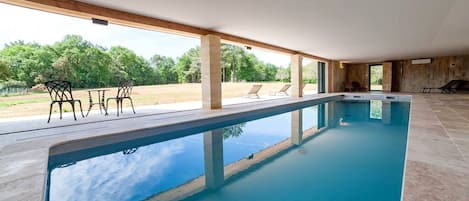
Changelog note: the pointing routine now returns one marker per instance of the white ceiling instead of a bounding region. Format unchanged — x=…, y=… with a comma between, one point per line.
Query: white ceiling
x=347, y=30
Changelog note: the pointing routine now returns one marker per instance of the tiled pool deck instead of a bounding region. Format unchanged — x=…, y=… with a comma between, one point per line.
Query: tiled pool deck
x=437, y=165
x=438, y=148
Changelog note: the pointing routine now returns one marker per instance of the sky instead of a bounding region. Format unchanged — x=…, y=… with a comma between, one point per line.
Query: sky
x=47, y=28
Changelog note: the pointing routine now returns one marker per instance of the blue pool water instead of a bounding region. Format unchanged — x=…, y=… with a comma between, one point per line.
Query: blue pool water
x=359, y=156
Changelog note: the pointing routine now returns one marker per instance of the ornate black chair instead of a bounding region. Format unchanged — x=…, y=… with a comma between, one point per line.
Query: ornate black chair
x=123, y=92
x=61, y=92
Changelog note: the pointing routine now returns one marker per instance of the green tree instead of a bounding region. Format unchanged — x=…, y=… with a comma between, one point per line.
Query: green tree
x=283, y=74
x=89, y=65
x=310, y=72
x=135, y=67
x=270, y=71
x=188, y=66
x=81, y=62
x=165, y=69
x=27, y=62
x=4, y=70
x=239, y=65
x=232, y=58
x=376, y=73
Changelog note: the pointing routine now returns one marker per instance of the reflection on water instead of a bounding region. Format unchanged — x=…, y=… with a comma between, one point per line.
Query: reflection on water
x=353, y=158
x=376, y=110
x=140, y=172
x=255, y=148
x=233, y=131
x=133, y=176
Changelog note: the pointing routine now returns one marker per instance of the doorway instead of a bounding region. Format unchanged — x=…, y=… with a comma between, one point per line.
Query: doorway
x=376, y=77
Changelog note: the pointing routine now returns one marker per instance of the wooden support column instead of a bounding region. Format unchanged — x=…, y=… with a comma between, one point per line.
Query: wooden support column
x=387, y=76
x=210, y=55
x=213, y=158
x=296, y=75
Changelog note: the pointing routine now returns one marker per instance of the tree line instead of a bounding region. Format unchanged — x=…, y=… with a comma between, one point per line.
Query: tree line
x=89, y=65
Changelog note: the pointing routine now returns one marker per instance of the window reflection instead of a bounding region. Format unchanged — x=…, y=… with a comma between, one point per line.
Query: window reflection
x=376, y=109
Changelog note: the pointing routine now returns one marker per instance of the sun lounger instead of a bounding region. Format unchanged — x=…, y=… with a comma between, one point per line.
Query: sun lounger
x=283, y=90
x=254, y=90
x=449, y=87
x=462, y=86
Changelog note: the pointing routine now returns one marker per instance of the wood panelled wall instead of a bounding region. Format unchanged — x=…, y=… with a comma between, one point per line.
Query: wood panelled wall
x=357, y=73
x=336, y=77
x=387, y=76
x=412, y=78
x=407, y=77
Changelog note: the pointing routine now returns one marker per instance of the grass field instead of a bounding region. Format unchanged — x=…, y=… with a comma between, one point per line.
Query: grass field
x=38, y=103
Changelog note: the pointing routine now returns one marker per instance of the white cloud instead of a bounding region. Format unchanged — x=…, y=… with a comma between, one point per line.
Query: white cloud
x=114, y=176
x=271, y=57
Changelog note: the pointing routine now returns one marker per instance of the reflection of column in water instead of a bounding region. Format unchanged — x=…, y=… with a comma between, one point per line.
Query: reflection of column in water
x=321, y=116
x=213, y=158
x=296, y=127
x=386, y=112
x=332, y=119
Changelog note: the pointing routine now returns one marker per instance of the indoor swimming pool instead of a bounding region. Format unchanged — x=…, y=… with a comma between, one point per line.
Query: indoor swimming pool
x=347, y=150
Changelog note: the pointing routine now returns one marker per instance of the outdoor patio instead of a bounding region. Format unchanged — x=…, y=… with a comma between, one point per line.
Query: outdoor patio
x=39, y=122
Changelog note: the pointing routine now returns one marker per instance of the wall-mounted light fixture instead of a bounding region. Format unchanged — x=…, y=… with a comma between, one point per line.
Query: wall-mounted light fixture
x=99, y=21
x=248, y=47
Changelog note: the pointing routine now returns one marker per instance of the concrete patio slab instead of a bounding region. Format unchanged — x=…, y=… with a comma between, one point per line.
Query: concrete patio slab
x=30, y=123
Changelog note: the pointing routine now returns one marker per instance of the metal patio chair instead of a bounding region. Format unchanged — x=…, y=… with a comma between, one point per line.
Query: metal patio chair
x=61, y=92
x=123, y=92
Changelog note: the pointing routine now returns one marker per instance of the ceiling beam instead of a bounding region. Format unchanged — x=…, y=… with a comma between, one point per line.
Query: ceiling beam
x=88, y=11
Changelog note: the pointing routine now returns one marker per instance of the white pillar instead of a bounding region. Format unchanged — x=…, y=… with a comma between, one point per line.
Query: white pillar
x=213, y=158
x=296, y=76
x=210, y=56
